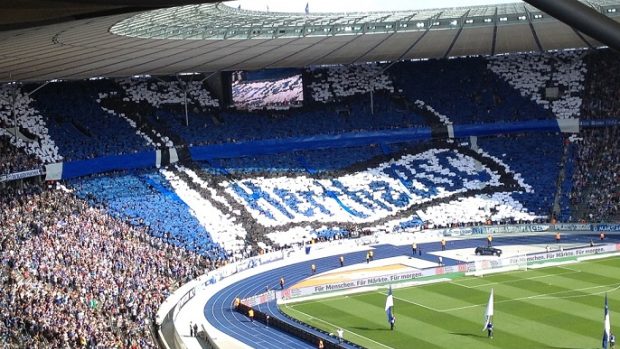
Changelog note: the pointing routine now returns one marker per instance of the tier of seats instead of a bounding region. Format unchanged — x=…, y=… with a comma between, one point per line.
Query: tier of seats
x=16, y=106
x=74, y=277
x=465, y=91
x=13, y=160
x=161, y=92
x=146, y=199
x=532, y=73
x=80, y=127
x=337, y=82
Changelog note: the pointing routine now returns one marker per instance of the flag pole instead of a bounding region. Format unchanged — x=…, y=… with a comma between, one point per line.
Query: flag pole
x=488, y=314
x=606, y=325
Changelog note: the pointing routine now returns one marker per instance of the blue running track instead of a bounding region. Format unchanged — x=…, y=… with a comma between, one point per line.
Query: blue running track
x=219, y=313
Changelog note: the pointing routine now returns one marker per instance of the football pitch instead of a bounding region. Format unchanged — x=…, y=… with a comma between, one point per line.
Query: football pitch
x=554, y=307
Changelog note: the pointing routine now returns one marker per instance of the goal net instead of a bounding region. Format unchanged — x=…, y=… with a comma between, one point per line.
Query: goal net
x=493, y=265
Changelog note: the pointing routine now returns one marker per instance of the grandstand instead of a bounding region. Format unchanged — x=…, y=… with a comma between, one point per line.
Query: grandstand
x=158, y=163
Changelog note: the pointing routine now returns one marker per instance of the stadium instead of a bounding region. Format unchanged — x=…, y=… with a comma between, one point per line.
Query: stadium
x=245, y=174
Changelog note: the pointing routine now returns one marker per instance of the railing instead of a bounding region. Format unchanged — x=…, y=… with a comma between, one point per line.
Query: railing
x=171, y=307
x=169, y=310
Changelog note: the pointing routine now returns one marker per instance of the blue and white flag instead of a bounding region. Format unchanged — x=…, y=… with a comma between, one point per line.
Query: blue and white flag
x=307, y=8
x=607, y=326
x=488, y=314
x=389, y=304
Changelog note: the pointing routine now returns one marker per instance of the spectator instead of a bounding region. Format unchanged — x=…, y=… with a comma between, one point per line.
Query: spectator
x=78, y=277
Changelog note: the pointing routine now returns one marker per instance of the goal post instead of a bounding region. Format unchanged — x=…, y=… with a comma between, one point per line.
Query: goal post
x=493, y=265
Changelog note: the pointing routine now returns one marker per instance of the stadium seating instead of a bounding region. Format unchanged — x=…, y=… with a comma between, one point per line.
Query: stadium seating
x=147, y=199
x=38, y=141
x=14, y=160
x=78, y=125
x=602, y=89
x=531, y=73
x=409, y=94
x=336, y=82
x=498, y=208
x=160, y=92
x=73, y=277
x=464, y=90
x=200, y=199
x=309, y=162
x=535, y=158
x=384, y=184
x=595, y=195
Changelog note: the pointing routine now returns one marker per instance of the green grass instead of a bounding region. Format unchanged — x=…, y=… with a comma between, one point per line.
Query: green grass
x=556, y=307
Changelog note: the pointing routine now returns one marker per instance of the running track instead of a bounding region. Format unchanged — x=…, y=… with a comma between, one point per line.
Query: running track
x=219, y=313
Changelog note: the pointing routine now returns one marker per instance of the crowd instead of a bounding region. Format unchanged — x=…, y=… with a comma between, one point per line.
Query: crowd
x=531, y=73
x=158, y=92
x=596, y=181
x=75, y=277
x=332, y=83
x=13, y=160
x=595, y=194
x=17, y=111
x=146, y=198
x=602, y=90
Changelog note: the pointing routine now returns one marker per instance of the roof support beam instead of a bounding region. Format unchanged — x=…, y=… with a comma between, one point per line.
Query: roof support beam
x=456, y=37
x=494, y=39
x=582, y=38
x=428, y=28
x=583, y=18
x=536, y=40
x=357, y=59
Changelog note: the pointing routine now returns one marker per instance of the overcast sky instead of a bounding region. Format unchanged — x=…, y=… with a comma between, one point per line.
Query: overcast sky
x=355, y=5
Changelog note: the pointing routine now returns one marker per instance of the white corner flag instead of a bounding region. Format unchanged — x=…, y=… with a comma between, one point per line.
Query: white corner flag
x=488, y=314
x=607, y=326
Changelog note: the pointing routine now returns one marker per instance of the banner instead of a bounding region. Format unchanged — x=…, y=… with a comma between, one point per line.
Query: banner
x=498, y=229
x=374, y=281
x=486, y=264
x=53, y=172
x=494, y=229
x=259, y=299
x=572, y=227
x=20, y=175
x=606, y=227
x=572, y=253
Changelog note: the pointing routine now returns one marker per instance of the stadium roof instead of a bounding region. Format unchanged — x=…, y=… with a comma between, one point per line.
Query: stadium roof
x=212, y=37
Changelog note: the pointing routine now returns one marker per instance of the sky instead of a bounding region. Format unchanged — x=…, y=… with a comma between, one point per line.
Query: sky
x=355, y=5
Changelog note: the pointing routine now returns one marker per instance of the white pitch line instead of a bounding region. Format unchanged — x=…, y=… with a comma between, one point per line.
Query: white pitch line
x=580, y=295
x=517, y=280
x=542, y=296
x=567, y=268
x=330, y=324
x=415, y=303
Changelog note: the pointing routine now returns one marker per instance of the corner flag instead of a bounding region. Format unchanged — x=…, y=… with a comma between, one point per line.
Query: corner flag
x=488, y=314
x=607, y=326
x=307, y=10
x=389, y=304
